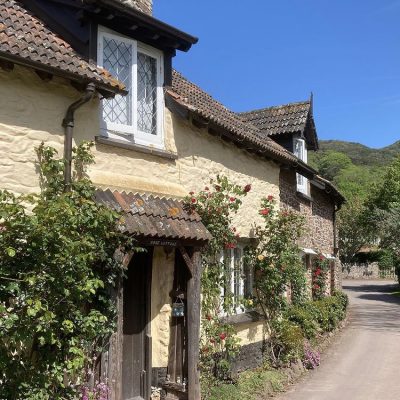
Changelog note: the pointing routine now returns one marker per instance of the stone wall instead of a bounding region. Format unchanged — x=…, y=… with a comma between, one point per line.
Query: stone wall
x=366, y=271
x=145, y=6
x=318, y=210
x=250, y=356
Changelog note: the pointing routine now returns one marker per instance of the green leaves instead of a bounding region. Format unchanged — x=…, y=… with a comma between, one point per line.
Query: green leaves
x=10, y=251
x=56, y=313
x=216, y=204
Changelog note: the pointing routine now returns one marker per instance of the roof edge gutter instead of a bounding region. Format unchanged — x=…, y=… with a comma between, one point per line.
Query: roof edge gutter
x=68, y=124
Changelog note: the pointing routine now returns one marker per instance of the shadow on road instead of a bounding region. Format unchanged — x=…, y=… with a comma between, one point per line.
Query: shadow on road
x=384, y=288
x=373, y=308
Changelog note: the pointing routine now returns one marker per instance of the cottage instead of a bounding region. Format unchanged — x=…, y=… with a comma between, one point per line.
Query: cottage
x=77, y=70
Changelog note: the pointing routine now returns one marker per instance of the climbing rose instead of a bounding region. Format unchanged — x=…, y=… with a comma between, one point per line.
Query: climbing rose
x=193, y=200
x=247, y=188
x=222, y=336
x=270, y=198
x=232, y=199
x=265, y=211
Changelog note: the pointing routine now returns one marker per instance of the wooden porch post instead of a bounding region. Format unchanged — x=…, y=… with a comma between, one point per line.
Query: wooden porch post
x=193, y=320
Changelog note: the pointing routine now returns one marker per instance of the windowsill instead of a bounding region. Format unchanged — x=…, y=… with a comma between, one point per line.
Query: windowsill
x=136, y=147
x=304, y=196
x=243, y=318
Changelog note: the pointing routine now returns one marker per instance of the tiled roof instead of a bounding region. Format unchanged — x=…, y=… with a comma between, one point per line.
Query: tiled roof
x=196, y=100
x=288, y=118
x=25, y=39
x=154, y=217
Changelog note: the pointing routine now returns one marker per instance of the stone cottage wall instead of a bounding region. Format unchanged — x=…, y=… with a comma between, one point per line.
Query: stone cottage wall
x=318, y=209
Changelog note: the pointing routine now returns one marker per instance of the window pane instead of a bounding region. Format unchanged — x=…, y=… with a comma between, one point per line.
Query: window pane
x=248, y=280
x=237, y=276
x=228, y=272
x=147, y=94
x=117, y=58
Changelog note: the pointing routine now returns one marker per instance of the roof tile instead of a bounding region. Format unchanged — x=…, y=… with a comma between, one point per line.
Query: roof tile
x=288, y=118
x=154, y=217
x=196, y=100
x=25, y=37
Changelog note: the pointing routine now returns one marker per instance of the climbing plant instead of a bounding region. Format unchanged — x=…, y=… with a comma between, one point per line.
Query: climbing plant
x=57, y=266
x=216, y=204
x=276, y=261
x=319, y=277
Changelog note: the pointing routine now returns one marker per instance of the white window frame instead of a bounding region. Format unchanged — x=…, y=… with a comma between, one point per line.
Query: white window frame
x=237, y=308
x=301, y=181
x=131, y=133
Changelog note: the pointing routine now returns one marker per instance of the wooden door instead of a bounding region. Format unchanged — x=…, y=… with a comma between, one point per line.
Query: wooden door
x=136, y=354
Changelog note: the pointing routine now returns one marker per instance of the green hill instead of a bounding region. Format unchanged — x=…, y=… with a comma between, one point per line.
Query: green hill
x=360, y=154
x=352, y=167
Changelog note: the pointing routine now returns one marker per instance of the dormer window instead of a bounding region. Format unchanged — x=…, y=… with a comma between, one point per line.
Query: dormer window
x=138, y=116
x=300, y=151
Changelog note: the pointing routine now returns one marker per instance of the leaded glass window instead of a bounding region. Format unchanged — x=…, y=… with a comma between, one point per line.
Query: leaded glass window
x=147, y=93
x=138, y=115
x=117, y=59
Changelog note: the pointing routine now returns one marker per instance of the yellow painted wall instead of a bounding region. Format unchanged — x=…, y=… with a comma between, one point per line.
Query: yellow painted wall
x=252, y=332
x=162, y=284
x=32, y=111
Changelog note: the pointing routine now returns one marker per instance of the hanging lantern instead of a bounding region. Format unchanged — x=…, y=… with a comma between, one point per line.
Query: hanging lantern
x=178, y=308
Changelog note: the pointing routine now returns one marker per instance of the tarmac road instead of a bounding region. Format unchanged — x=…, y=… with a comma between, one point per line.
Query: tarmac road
x=363, y=363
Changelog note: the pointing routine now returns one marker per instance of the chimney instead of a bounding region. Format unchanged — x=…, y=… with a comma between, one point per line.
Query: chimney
x=145, y=6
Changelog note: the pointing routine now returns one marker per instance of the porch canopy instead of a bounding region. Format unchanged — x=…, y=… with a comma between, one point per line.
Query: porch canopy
x=158, y=221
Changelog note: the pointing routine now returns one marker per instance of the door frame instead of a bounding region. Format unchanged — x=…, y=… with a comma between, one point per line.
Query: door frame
x=147, y=329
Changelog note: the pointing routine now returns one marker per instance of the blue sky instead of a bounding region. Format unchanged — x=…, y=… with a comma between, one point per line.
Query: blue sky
x=256, y=53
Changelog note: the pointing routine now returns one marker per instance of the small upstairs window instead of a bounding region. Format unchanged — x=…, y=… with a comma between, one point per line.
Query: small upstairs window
x=138, y=116
x=300, y=151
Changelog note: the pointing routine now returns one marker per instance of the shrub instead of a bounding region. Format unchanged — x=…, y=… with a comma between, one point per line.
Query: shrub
x=330, y=311
x=57, y=266
x=305, y=317
x=288, y=342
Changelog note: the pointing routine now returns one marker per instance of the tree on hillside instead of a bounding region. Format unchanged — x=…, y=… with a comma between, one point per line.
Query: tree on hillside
x=332, y=163
x=352, y=231
x=355, y=181
x=382, y=212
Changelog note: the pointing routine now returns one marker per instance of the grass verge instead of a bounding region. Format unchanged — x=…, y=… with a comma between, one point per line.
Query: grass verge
x=252, y=385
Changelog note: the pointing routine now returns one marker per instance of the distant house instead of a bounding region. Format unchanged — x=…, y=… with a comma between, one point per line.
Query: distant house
x=75, y=70
x=293, y=127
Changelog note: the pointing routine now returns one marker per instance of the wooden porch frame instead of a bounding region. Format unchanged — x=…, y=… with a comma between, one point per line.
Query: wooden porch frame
x=194, y=266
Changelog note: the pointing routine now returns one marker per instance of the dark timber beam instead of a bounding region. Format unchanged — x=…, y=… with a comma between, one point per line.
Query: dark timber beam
x=44, y=76
x=6, y=65
x=193, y=321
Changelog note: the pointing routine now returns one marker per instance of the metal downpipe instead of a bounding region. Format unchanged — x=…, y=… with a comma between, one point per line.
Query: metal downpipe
x=68, y=124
